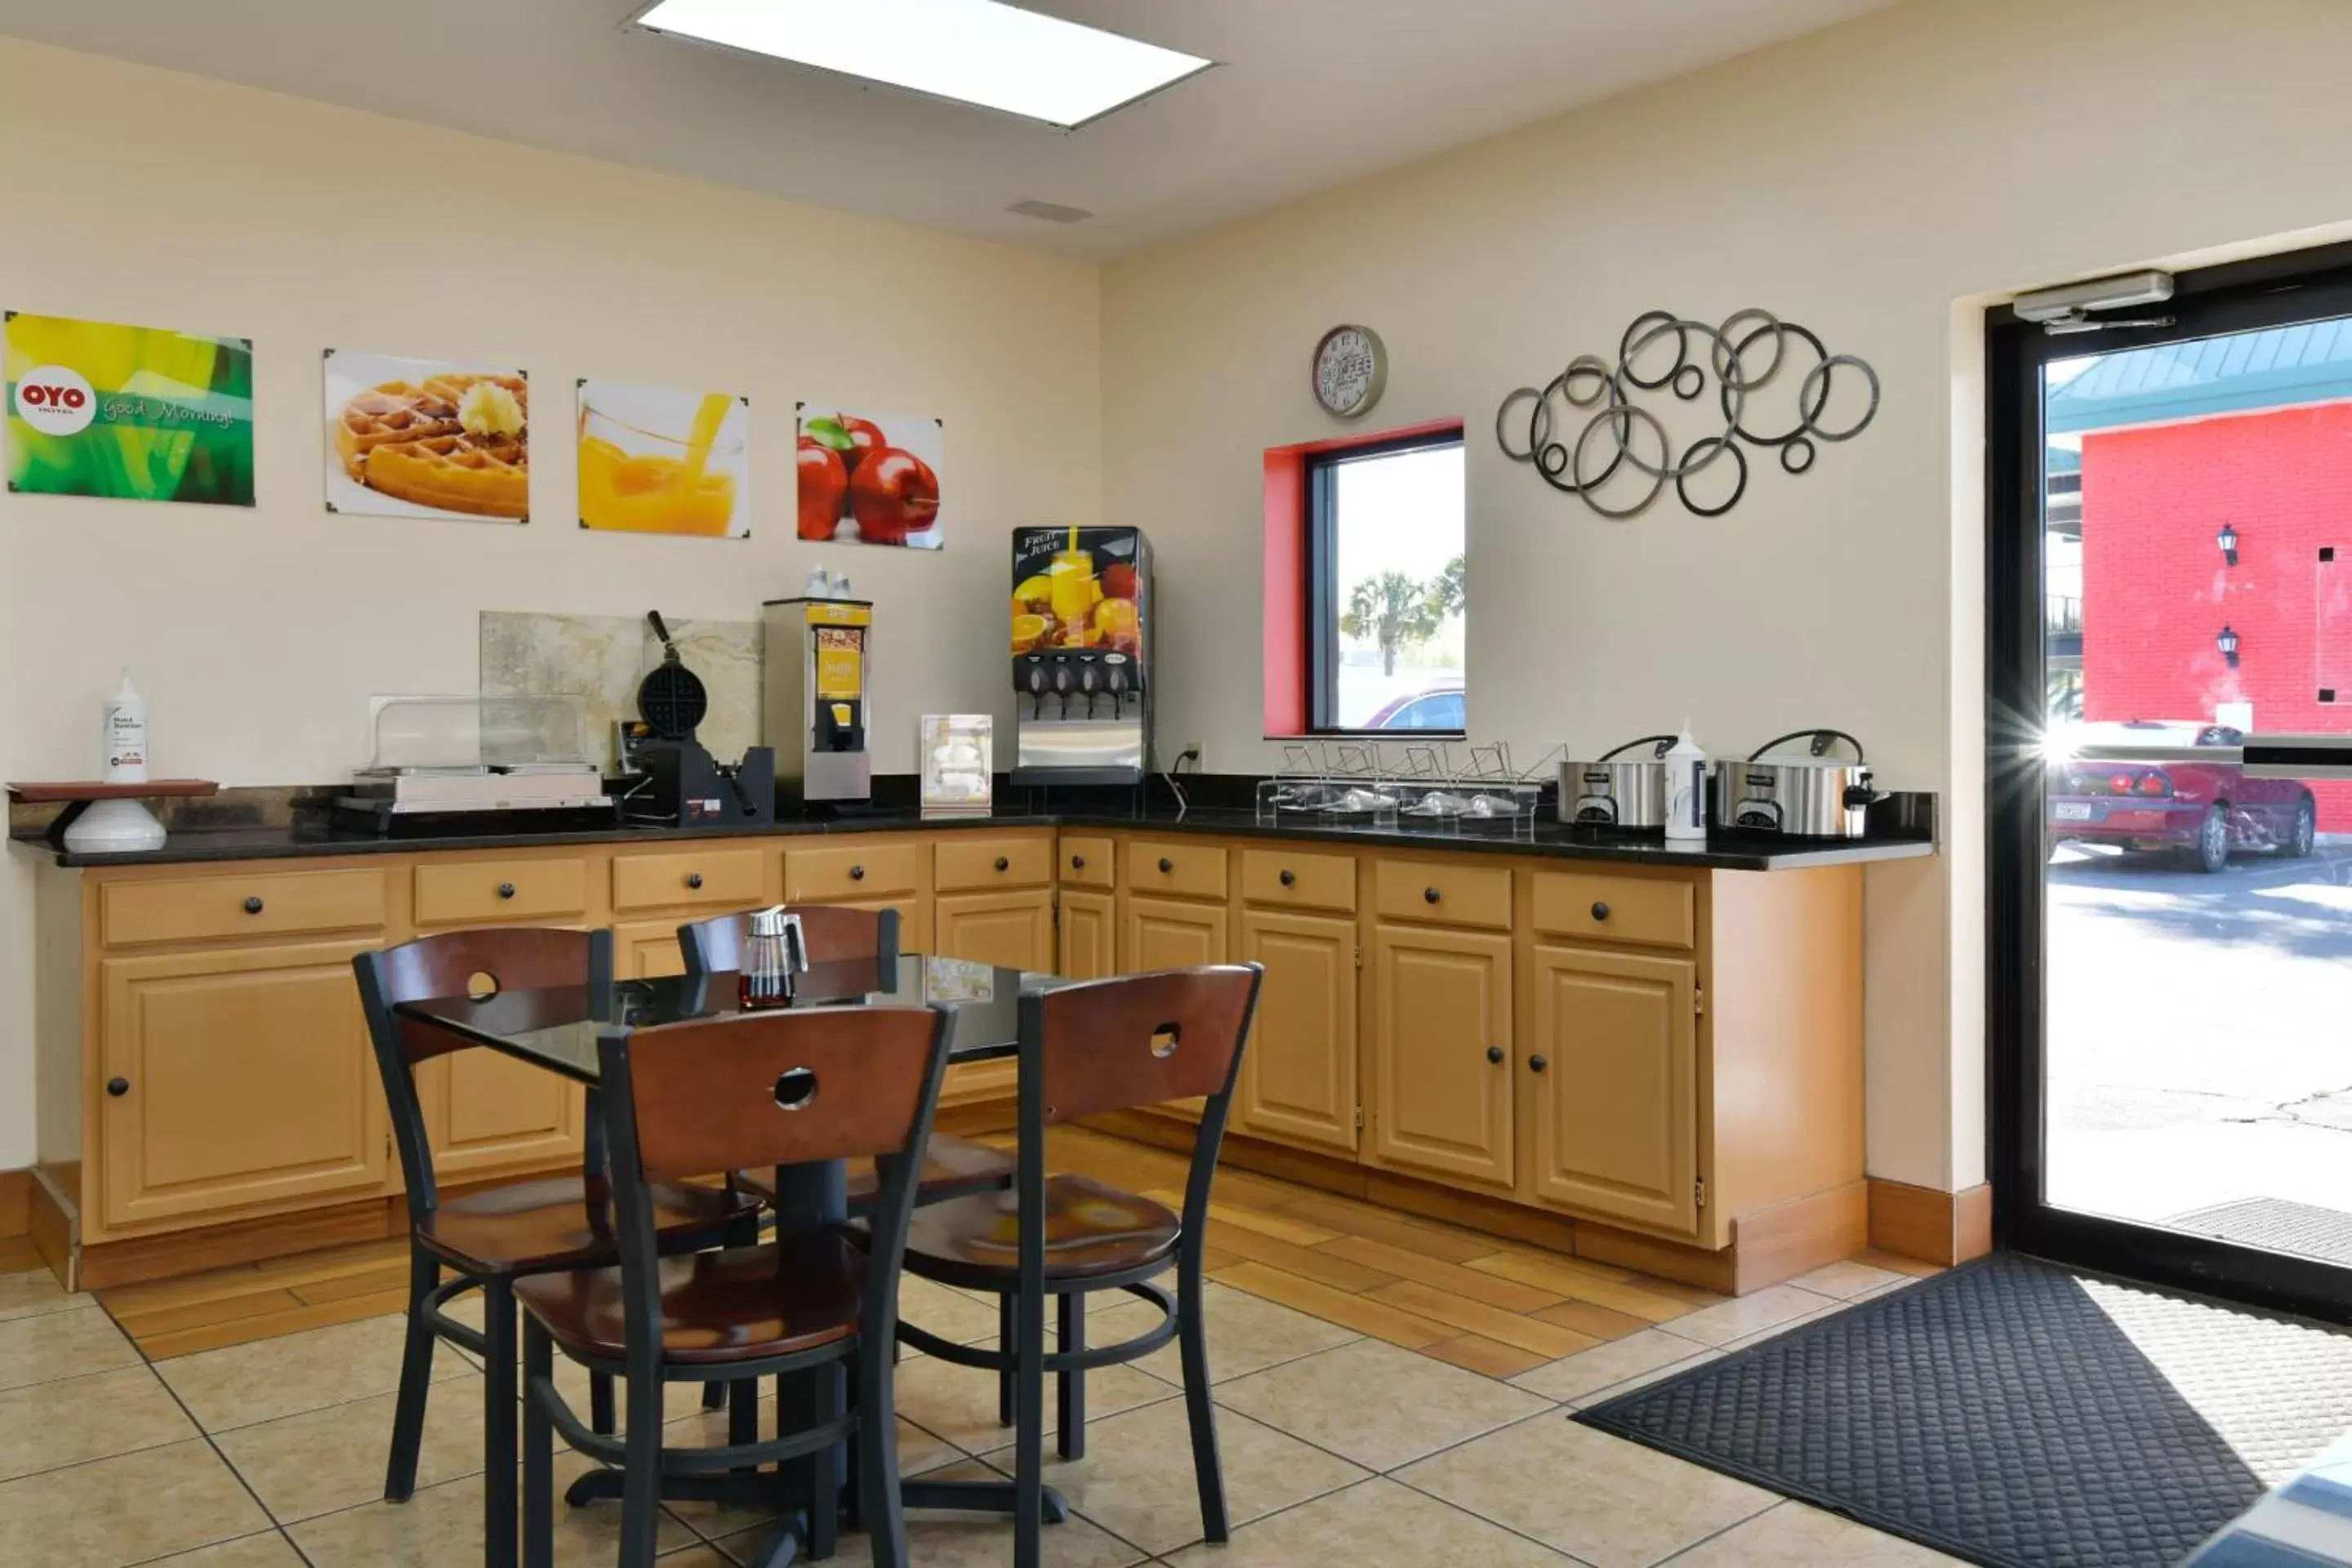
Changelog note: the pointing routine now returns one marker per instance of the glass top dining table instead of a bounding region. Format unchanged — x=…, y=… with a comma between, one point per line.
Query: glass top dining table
x=557, y=1027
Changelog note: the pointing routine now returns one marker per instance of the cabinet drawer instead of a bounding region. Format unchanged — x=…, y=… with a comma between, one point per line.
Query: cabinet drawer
x=1087, y=862
x=194, y=909
x=1436, y=894
x=1194, y=871
x=1283, y=879
x=461, y=891
x=857, y=871
x=967, y=865
x=721, y=879
x=1655, y=913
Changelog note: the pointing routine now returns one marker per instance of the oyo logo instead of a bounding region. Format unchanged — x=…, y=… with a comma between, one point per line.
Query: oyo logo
x=55, y=401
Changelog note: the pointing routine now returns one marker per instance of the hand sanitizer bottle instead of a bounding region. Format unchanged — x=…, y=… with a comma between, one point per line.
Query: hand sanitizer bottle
x=126, y=735
x=1686, y=789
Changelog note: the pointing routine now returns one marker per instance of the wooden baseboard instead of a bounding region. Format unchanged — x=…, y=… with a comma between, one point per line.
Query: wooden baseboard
x=1768, y=1246
x=15, y=1203
x=979, y=1116
x=52, y=1224
x=1929, y=1225
x=1800, y=1236
x=136, y=1260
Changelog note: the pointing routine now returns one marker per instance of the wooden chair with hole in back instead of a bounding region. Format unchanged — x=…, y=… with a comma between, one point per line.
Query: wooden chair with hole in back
x=951, y=1166
x=489, y=1236
x=1106, y=1046
x=756, y=1089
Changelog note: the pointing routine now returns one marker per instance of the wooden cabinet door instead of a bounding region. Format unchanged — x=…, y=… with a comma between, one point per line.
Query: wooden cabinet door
x=1299, y=1071
x=1441, y=1003
x=1088, y=936
x=647, y=950
x=487, y=1114
x=1171, y=934
x=247, y=1079
x=1614, y=1125
x=1015, y=928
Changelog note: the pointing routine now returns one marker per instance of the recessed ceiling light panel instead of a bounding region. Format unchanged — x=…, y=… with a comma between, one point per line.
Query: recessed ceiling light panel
x=975, y=52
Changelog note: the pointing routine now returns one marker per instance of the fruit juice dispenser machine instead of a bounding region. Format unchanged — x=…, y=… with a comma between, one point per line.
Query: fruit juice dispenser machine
x=1081, y=655
x=817, y=672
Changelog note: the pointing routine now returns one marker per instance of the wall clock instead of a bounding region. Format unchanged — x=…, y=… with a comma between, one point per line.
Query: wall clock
x=1351, y=370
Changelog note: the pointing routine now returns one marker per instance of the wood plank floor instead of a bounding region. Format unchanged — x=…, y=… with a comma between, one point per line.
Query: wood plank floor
x=1493, y=1306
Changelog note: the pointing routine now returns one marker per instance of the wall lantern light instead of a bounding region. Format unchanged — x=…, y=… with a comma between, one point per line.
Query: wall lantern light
x=2228, y=540
x=2228, y=643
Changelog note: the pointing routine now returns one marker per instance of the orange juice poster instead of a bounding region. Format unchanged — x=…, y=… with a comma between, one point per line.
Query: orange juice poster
x=416, y=438
x=870, y=479
x=653, y=460
x=1076, y=587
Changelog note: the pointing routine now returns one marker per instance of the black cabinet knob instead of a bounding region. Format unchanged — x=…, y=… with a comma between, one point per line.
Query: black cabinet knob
x=1429, y=895
x=1166, y=864
x=253, y=906
x=506, y=889
x=1493, y=1053
x=857, y=873
x=1002, y=863
x=1537, y=1064
x=1078, y=862
x=1600, y=910
x=694, y=879
x=118, y=1086
x=1289, y=879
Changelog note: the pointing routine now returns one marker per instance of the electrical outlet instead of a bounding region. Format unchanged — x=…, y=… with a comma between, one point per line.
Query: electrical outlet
x=1193, y=752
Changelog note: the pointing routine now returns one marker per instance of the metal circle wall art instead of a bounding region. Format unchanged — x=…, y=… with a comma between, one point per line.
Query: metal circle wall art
x=1752, y=357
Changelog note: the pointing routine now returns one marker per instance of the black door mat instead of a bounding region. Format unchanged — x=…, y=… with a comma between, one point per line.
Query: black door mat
x=2278, y=1225
x=2013, y=1412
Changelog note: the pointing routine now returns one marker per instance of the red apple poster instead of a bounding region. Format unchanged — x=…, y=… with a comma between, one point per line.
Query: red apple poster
x=870, y=479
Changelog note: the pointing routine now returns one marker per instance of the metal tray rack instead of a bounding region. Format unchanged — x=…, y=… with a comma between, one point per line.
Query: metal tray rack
x=1394, y=783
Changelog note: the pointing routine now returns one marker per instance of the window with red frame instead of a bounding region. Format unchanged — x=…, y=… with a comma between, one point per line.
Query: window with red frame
x=1366, y=613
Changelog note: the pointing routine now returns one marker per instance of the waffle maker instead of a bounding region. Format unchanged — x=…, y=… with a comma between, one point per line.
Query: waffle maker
x=683, y=785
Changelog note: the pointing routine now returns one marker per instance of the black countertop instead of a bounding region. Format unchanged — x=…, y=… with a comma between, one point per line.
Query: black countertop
x=1722, y=851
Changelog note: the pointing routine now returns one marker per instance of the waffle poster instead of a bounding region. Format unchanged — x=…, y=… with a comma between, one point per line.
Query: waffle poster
x=653, y=460
x=870, y=479
x=96, y=408
x=413, y=437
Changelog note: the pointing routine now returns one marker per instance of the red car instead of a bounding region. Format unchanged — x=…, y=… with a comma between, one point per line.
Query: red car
x=2203, y=810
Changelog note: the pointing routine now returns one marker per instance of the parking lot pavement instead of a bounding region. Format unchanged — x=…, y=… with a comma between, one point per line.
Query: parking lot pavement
x=2200, y=1032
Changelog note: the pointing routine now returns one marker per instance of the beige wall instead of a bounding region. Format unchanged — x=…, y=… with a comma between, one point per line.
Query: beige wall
x=139, y=196
x=1872, y=182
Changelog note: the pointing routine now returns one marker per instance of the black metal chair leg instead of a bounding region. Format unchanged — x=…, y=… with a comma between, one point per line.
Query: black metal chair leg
x=743, y=1413
x=853, y=1458
x=538, y=1452
x=415, y=1378
x=499, y=1425
x=876, y=1453
x=641, y=1473
x=600, y=1403
x=1004, y=1379
x=825, y=1484
x=1192, y=1342
x=1070, y=1387
x=1029, y=1441
x=714, y=1397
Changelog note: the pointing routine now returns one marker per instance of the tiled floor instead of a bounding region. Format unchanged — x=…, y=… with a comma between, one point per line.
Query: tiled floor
x=1390, y=1390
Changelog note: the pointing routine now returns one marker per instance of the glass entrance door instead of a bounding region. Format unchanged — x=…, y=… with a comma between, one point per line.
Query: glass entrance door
x=2174, y=1093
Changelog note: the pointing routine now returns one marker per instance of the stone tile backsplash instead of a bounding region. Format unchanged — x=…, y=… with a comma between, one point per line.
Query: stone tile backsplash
x=601, y=659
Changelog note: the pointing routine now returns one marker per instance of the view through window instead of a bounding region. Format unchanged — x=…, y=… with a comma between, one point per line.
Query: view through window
x=2199, y=916
x=1390, y=617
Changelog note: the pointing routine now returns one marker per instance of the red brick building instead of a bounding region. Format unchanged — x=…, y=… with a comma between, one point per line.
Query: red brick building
x=2177, y=444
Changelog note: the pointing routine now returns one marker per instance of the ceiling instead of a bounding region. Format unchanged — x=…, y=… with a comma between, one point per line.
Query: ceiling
x=1309, y=94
